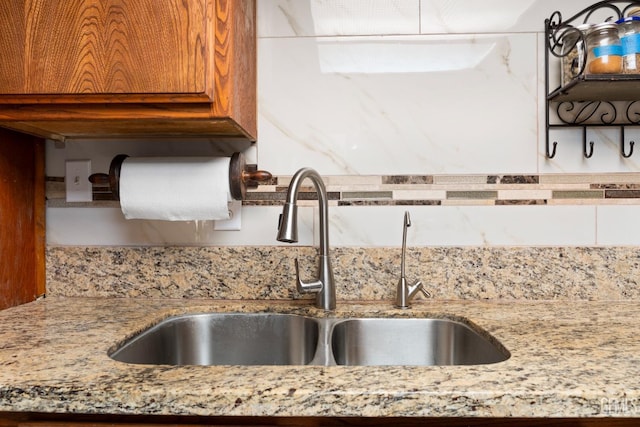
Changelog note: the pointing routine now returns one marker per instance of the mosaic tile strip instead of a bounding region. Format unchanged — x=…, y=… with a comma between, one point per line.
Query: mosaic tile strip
x=513, y=179
x=622, y=194
x=389, y=202
x=407, y=179
x=471, y=195
x=615, y=186
x=521, y=202
x=280, y=196
x=420, y=190
x=367, y=195
x=578, y=194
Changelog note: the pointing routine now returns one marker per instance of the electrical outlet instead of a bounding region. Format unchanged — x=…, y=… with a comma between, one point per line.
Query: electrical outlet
x=76, y=180
x=234, y=223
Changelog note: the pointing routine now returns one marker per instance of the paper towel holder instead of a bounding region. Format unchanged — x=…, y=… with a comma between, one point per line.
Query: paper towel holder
x=241, y=176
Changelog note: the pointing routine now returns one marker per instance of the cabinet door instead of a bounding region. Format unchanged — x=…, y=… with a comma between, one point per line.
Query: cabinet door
x=98, y=47
x=22, y=211
x=128, y=68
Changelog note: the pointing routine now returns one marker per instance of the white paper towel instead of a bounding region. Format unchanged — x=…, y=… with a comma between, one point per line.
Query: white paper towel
x=175, y=188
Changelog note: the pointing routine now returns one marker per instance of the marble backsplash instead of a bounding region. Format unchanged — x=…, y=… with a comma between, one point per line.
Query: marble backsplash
x=363, y=274
x=366, y=211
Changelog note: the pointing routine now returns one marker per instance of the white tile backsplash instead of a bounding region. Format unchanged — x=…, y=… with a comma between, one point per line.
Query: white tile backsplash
x=492, y=16
x=107, y=227
x=618, y=225
x=359, y=226
x=465, y=226
x=295, y=18
x=399, y=104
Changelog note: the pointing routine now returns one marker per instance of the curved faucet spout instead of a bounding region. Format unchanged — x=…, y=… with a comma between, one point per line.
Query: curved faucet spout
x=288, y=232
x=405, y=291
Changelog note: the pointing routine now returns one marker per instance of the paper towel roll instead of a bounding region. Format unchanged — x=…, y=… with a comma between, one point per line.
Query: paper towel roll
x=175, y=188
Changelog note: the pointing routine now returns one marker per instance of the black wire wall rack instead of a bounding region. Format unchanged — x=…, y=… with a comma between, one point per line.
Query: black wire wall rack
x=589, y=101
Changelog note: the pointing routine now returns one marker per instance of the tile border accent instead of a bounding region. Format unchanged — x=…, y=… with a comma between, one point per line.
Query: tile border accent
x=434, y=190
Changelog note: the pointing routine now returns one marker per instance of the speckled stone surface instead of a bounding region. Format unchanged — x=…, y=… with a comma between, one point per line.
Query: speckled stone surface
x=569, y=360
x=366, y=274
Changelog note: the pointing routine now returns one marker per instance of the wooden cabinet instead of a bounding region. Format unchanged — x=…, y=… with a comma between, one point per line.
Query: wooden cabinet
x=134, y=68
x=22, y=218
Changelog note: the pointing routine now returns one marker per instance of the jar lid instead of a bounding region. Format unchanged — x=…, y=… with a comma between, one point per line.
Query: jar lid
x=585, y=27
x=633, y=11
x=629, y=19
x=601, y=27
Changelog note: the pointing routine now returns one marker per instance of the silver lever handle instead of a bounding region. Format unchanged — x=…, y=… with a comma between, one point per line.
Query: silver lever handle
x=315, y=286
x=425, y=292
x=417, y=286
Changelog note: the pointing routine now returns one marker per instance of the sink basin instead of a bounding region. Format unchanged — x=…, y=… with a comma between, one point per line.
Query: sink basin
x=284, y=339
x=422, y=342
x=224, y=339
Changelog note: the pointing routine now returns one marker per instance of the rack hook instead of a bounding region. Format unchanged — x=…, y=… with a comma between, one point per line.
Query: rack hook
x=588, y=154
x=623, y=153
x=551, y=154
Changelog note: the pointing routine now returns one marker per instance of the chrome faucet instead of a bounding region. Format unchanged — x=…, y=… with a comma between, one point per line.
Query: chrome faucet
x=405, y=292
x=324, y=286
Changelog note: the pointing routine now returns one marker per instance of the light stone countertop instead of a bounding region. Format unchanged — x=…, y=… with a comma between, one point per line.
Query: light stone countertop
x=568, y=359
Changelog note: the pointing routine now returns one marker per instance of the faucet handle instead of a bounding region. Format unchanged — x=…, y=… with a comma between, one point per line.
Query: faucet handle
x=425, y=292
x=417, y=286
x=315, y=286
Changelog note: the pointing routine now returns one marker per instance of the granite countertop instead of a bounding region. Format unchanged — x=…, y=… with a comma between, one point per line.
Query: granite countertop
x=568, y=359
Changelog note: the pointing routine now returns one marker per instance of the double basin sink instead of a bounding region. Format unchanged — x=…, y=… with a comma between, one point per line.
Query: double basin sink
x=287, y=339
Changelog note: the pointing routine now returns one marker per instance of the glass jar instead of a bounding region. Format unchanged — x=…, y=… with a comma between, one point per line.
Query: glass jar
x=629, y=29
x=604, y=50
x=573, y=52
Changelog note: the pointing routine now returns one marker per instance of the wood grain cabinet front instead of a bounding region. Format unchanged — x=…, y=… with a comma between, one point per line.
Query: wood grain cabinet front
x=22, y=219
x=130, y=68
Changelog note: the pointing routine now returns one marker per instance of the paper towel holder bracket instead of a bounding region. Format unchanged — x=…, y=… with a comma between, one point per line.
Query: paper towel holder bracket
x=241, y=176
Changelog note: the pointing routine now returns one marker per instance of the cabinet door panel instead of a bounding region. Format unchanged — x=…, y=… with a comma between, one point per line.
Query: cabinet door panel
x=85, y=47
x=22, y=212
x=12, y=42
x=90, y=68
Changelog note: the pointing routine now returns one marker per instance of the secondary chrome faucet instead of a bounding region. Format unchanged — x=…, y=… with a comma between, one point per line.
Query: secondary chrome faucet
x=324, y=286
x=405, y=292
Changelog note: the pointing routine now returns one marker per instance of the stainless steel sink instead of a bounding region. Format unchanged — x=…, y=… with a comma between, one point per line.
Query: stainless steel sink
x=224, y=339
x=422, y=342
x=283, y=339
